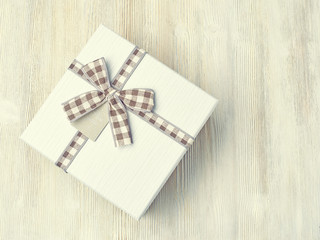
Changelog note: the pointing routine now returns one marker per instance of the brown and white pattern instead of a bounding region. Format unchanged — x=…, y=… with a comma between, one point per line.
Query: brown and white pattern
x=75, y=67
x=71, y=151
x=118, y=119
x=84, y=103
x=166, y=127
x=97, y=74
x=128, y=68
x=138, y=101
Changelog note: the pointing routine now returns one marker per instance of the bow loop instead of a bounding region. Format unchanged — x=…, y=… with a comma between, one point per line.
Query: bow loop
x=96, y=73
x=83, y=104
x=137, y=99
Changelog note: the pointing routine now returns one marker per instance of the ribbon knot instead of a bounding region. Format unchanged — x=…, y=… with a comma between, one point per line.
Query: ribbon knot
x=117, y=101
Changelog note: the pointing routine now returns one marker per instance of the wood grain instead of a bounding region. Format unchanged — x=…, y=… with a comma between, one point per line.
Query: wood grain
x=253, y=172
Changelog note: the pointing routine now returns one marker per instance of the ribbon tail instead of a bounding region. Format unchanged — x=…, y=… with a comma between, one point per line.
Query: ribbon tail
x=119, y=123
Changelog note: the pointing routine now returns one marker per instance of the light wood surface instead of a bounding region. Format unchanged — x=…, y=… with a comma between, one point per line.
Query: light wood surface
x=253, y=172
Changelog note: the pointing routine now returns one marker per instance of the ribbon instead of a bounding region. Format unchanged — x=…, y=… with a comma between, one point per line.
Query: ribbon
x=118, y=101
x=138, y=101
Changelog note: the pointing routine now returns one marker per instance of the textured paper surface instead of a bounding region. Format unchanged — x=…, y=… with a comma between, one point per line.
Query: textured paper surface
x=130, y=177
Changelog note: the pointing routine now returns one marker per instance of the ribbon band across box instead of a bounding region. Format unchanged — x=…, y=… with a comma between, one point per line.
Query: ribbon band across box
x=139, y=101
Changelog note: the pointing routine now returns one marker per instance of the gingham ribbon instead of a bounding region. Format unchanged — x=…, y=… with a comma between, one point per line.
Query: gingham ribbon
x=116, y=98
x=117, y=101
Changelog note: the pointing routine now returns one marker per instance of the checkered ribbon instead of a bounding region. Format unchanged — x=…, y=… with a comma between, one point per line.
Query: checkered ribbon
x=118, y=101
x=137, y=101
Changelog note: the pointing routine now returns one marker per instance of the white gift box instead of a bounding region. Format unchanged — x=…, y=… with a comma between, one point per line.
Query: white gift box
x=131, y=176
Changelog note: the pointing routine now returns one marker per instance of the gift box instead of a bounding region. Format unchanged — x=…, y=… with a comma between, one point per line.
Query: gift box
x=119, y=121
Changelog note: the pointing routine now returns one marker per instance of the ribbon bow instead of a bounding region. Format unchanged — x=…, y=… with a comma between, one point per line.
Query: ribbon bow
x=118, y=101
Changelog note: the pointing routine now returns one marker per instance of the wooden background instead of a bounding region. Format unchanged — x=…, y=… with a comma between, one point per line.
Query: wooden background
x=254, y=171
